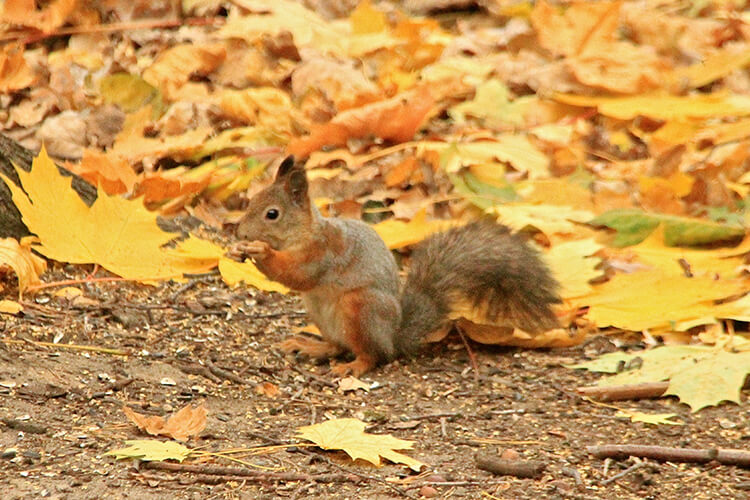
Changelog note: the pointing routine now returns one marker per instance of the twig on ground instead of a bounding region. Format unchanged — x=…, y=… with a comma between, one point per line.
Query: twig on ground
x=198, y=369
x=77, y=347
x=666, y=454
x=518, y=468
x=624, y=392
x=225, y=374
x=434, y=415
x=470, y=353
x=250, y=475
x=573, y=472
x=639, y=464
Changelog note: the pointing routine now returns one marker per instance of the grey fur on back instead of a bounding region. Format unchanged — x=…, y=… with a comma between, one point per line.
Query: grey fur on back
x=380, y=272
x=485, y=263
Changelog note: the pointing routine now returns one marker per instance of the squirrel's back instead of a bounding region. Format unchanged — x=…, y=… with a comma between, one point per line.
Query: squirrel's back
x=482, y=263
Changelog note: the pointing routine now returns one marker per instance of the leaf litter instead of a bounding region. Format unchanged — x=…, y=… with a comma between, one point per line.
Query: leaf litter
x=608, y=102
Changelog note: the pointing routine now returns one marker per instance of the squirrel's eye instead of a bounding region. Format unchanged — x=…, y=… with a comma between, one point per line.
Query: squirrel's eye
x=272, y=214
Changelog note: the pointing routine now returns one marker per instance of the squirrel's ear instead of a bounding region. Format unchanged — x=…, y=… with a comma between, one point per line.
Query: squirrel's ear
x=296, y=186
x=286, y=166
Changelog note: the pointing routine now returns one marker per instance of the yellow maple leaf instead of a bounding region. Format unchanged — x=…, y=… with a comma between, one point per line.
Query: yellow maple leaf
x=656, y=299
x=25, y=264
x=266, y=106
x=399, y=234
x=556, y=191
x=275, y=16
x=10, y=307
x=715, y=66
x=573, y=265
x=367, y=19
x=174, y=66
x=663, y=106
x=348, y=434
x=516, y=150
x=721, y=262
x=118, y=234
x=234, y=272
x=550, y=219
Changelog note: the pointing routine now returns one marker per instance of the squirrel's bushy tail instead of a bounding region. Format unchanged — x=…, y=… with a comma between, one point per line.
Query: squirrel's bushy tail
x=484, y=264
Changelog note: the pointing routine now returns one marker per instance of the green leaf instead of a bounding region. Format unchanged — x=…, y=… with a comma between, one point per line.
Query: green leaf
x=633, y=226
x=698, y=375
x=481, y=194
x=152, y=450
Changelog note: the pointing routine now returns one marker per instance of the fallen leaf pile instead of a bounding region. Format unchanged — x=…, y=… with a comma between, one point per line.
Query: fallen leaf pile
x=699, y=375
x=615, y=133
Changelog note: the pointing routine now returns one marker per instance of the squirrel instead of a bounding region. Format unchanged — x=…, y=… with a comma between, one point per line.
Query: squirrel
x=349, y=282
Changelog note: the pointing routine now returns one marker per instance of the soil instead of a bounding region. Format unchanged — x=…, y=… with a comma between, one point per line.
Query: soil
x=61, y=408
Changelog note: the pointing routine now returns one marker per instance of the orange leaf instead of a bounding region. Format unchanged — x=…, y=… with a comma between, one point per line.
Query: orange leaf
x=267, y=389
x=180, y=426
x=15, y=74
x=174, y=66
x=112, y=173
x=396, y=119
x=402, y=172
x=25, y=13
x=161, y=186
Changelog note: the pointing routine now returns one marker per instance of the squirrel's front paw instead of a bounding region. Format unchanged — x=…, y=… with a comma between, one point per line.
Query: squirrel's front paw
x=248, y=250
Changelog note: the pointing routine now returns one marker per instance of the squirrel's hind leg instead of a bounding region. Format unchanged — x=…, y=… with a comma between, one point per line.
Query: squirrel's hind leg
x=369, y=318
x=312, y=347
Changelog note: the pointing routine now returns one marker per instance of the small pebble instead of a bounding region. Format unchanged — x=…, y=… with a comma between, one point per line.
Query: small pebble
x=428, y=491
x=33, y=455
x=9, y=453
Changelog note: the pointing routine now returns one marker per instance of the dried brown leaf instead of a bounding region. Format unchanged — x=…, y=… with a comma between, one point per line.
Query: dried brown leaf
x=182, y=425
x=396, y=119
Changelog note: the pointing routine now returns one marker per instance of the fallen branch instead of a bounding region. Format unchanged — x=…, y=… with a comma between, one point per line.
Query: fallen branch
x=665, y=454
x=249, y=475
x=518, y=468
x=77, y=347
x=225, y=374
x=624, y=473
x=646, y=390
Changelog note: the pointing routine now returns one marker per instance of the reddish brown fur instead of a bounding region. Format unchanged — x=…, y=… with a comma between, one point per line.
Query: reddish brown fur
x=289, y=266
x=312, y=347
x=356, y=337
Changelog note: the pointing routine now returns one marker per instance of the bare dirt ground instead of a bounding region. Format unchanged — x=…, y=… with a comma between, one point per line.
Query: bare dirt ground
x=60, y=408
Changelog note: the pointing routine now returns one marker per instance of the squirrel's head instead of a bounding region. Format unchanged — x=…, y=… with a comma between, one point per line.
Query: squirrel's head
x=280, y=214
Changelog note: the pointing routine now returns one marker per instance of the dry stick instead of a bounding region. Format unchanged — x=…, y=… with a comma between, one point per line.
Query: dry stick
x=216, y=470
x=624, y=473
x=41, y=286
x=518, y=468
x=472, y=357
x=624, y=392
x=646, y=390
x=225, y=374
x=77, y=347
x=666, y=454
x=197, y=369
